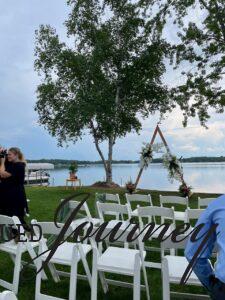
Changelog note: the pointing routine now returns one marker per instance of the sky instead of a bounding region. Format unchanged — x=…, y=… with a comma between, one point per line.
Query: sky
x=18, y=82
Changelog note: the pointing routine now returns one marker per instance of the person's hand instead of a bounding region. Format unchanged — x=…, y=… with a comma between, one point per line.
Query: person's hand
x=4, y=174
x=1, y=150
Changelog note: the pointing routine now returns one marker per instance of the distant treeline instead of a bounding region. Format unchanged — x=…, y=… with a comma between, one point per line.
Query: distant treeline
x=62, y=163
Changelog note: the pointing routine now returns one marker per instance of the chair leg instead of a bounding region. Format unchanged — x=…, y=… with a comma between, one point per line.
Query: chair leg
x=165, y=280
x=38, y=281
x=87, y=270
x=137, y=279
x=16, y=273
x=94, y=281
x=73, y=277
x=146, y=283
x=103, y=282
x=53, y=272
x=33, y=255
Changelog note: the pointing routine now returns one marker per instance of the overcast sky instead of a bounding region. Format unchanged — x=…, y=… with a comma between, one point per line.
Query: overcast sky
x=18, y=82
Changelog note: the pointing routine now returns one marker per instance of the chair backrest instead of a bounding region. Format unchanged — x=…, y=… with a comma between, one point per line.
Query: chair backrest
x=193, y=214
x=5, y=220
x=112, y=197
x=151, y=212
x=109, y=197
x=120, y=236
x=84, y=208
x=173, y=200
x=168, y=244
x=49, y=227
x=204, y=202
x=114, y=209
x=139, y=198
x=14, y=223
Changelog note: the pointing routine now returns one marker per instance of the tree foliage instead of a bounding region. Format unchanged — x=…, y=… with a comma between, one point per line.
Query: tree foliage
x=199, y=53
x=106, y=77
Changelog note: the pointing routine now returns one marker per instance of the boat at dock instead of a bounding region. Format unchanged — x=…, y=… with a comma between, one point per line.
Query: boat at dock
x=36, y=173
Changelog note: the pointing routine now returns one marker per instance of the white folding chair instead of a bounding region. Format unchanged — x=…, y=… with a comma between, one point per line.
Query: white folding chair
x=121, y=212
x=7, y=295
x=67, y=254
x=179, y=215
x=84, y=208
x=112, y=198
x=16, y=250
x=173, y=268
x=151, y=213
x=109, y=197
x=204, y=202
x=138, y=198
x=121, y=261
x=193, y=214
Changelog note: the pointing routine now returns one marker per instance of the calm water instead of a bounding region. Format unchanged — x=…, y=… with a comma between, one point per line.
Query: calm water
x=203, y=177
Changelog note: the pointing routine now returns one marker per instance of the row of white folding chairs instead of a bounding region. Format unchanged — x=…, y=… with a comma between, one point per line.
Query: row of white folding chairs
x=115, y=259
x=123, y=261
x=129, y=262
x=172, y=266
x=164, y=199
x=150, y=212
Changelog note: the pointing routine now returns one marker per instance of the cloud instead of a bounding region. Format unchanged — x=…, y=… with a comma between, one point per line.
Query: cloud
x=189, y=148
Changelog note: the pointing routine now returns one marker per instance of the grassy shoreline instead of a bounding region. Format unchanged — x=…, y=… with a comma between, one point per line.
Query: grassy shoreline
x=44, y=201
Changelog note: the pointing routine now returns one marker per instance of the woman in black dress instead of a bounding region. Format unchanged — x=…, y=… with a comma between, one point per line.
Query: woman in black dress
x=13, y=200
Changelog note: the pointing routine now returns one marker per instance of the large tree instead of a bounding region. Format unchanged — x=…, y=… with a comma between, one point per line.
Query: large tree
x=198, y=53
x=106, y=77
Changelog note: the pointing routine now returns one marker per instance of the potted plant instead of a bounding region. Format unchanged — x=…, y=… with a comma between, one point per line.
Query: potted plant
x=73, y=169
x=130, y=187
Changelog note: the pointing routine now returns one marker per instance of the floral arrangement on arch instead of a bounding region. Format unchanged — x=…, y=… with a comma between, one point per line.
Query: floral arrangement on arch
x=174, y=167
x=147, y=154
x=185, y=191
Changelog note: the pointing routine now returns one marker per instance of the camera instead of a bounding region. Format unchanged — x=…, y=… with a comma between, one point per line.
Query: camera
x=3, y=153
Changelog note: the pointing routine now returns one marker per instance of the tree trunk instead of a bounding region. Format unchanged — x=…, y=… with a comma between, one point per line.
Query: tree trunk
x=109, y=161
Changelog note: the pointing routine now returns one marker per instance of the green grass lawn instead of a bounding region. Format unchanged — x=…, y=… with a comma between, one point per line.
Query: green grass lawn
x=44, y=201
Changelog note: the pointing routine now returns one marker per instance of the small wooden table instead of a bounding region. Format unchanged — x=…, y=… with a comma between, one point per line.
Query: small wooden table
x=73, y=183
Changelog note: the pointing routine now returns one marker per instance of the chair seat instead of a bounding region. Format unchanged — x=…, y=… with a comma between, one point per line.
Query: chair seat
x=63, y=254
x=118, y=260
x=7, y=295
x=180, y=215
x=177, y=265
x=11, y=246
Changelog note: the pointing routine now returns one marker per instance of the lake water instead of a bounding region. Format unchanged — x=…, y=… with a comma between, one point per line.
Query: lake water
x=203, y=177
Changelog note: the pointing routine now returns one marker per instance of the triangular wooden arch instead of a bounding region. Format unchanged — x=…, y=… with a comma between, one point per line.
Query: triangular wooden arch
x=158, y=131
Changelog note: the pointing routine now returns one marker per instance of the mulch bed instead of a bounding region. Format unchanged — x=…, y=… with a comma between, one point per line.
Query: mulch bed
x=103, y=184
